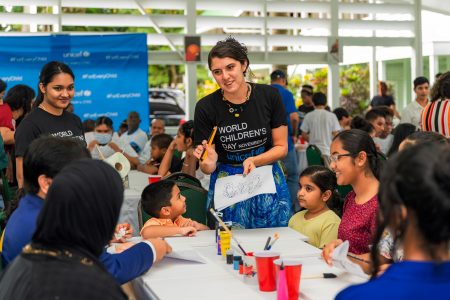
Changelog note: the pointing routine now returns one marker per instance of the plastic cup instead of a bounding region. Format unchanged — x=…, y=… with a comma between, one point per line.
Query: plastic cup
x=293, y=271
x=225, y=242
x=265, y=269
x=153, y=178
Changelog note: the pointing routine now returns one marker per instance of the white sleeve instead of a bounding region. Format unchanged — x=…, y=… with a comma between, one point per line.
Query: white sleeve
x=336, y=125
x=305, y=124
x=406, y=116
x=153, y=248
x=145, y=154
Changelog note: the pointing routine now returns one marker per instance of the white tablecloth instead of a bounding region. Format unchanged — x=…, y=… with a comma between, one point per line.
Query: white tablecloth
x=177, y=279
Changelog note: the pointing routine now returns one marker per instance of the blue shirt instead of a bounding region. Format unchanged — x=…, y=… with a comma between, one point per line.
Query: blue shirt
x=405, y=280
x=21, y=226
x=289, y=106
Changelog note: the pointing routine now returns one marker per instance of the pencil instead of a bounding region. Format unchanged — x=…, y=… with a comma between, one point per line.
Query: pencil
x=358, y=258
x=267, y=243
x=213, y=212
x=210, y=140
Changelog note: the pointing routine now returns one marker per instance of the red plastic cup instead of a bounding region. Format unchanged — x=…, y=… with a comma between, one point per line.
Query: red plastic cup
x=265, y=270
x=153, y=178
x=293, y=270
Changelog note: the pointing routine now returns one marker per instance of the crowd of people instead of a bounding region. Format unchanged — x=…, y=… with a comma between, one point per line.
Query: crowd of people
x=395, y=216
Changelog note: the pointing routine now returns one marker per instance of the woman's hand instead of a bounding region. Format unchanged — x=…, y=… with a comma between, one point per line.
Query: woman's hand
x=327, y=251
x=249, y=165
x=161, y=248
x=92, y=145
x=208, y=165
x=122, y=233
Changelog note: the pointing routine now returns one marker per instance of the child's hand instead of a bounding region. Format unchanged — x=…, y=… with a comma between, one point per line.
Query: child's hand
x=188, y=231
x=161, y=248
x=327, y=251
x=173, y=145
x=186, y=223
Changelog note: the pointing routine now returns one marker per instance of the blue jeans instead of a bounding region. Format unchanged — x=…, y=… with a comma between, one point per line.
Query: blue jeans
x=291, y=165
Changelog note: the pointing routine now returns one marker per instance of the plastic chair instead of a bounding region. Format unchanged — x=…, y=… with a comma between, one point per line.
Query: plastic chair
x=196, y=196
x=314, y=156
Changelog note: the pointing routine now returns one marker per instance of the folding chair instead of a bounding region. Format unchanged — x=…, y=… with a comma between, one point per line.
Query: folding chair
x=314, y=156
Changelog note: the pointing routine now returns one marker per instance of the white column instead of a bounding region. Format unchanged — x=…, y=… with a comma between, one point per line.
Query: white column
x=191, y=67
x=382, y=70
x=333, y=67
x=433, y=68
x=373, y=76
x=417, y=61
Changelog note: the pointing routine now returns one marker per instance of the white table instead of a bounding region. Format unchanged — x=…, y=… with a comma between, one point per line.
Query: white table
x=177, y=279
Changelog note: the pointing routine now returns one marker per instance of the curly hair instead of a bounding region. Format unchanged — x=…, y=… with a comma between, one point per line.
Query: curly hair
x=441, y=88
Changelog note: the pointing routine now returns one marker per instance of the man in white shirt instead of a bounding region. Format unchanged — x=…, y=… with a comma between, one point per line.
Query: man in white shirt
x=412, y=112
x=135, y=136
x=158, y=127
x=320, y=125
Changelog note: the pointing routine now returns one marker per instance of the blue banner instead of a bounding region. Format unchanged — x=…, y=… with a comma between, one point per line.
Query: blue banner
x=111, y=71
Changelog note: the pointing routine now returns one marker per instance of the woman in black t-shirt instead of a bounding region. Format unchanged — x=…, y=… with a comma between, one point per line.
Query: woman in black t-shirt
x=48, y=116
x=251, y=132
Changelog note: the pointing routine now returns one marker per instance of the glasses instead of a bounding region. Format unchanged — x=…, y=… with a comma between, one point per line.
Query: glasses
x=335, y=157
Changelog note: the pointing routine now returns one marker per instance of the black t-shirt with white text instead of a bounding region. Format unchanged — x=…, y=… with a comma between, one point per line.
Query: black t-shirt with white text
x=40, y=122
x=247, y=135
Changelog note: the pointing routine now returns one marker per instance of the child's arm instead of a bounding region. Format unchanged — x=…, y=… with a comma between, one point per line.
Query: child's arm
x=164, y=167
x=149, y=169
x=155, y=231
x=200, y=226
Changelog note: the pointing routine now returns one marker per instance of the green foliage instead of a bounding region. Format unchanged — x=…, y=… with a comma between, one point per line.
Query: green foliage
x=354, y=82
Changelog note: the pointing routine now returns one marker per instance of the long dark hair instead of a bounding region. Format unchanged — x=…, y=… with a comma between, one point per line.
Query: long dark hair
x=355, y=141
x=46, y=75
x=401, y=132
x=325, y=180
x=441, y=88
x=187, y=129
x=417, y=174
x=231, y=48
x=20, y=96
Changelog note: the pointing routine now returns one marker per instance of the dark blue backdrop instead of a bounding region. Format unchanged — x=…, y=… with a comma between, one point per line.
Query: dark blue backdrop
x=111, y=72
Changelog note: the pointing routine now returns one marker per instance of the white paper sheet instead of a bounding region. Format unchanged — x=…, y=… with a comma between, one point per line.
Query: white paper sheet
x=341, y=261
x=184, y=252
x=236, y=188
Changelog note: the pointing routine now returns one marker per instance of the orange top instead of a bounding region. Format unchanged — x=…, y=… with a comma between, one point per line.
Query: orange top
x=164, y=222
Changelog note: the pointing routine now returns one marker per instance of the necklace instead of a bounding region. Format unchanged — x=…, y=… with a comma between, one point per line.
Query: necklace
x=41, y=106
x=238, y=108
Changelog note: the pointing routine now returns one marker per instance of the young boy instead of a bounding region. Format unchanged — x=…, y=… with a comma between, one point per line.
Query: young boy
x=320, y=125
x=159, y=145
x=164, y=202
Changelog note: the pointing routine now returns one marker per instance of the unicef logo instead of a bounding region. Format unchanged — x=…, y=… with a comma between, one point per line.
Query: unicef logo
x=86, y=54
x=87, y=93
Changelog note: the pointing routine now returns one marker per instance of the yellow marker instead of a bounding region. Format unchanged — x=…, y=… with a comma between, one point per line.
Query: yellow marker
x=210, y=140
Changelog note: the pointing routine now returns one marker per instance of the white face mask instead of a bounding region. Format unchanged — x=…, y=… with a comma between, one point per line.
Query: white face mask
x=103, y=138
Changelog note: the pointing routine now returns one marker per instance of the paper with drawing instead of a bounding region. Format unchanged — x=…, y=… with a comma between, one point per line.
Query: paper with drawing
x=340, y=260
x=236, y=188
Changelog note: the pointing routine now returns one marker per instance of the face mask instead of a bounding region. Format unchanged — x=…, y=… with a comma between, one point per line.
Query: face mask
x=103, y=138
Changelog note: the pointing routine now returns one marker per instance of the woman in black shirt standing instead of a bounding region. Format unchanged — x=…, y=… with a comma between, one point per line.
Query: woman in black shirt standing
x=251, y=132
x=55, y=91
